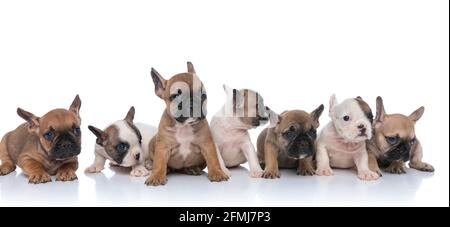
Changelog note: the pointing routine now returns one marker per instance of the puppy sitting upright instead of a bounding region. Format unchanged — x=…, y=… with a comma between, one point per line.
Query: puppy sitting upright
x=124, y=144
x=184, y=141
x=44, y=146
x=290, y=144
x=243, y=110
x=395, y=142
x=342, y=143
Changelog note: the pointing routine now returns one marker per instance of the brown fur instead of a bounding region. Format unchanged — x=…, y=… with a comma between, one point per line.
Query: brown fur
x=164, y=146
x=271, y=144
x=395, y=125
x=26, y=147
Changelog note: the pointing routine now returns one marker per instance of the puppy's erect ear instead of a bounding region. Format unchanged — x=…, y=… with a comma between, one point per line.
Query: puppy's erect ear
x=33, y=121
x=274, y=118
x=416, y=115
x=160, y=83
x=76, y=105
x=333, y=103
x=381, y=113
x=102, y=137
x=130, y=115
x=228, y=90
x=316, y=115
x=190, y=67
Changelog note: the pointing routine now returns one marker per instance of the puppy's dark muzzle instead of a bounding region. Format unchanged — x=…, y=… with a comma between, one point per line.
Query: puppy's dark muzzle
x=65, y=147
x=401, y=152
x=300, y=148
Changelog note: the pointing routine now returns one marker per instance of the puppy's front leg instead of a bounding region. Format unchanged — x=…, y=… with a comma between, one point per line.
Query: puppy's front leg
x=34, y=170
x=223, y=166
x=160, y=160
x=323, y=161
x=139, y=170
x=416, y=160
x=250, y=153
x=361, y=160
x=306, y=167
x=215, y=172
x=98, y=165
x=67, y=171
x=373, y=164
x=271, y=161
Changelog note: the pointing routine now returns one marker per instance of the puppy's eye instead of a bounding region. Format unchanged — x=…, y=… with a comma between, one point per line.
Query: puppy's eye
x=413, y=141
x=346, y=118
x=49, y=135
x=391, y=140
x=122, y=147
x=77, y=131
x=292, y=129
x=204, y=97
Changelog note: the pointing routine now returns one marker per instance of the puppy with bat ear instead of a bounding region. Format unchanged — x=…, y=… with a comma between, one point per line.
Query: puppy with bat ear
x=124, y=144
x=44, y=146
x=184, y=141
x=243, y=110
x=342, y=143
x=290, y=144
x=395, y=142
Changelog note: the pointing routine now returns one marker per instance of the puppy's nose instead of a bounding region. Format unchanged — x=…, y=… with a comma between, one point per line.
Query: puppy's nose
x=361, y=126
x=137, y=156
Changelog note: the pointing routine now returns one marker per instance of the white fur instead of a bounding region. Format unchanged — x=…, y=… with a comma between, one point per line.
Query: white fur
x=184, y=135
x=340, y=145
x=127, y=134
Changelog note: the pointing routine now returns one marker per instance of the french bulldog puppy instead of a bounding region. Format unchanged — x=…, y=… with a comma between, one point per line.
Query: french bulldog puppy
x=342, y=143
x=243, y=110
x=184, y=141
x=44, y=146
x=124, y=144
x=395, y=142
x=290, y=144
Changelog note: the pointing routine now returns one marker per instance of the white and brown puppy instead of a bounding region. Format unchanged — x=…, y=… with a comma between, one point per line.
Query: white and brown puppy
x=290, y=144
x=243, y=110
x=44, y=146
x=124, y=144
x=184, y=141
x=342, y=143
x=395, y=142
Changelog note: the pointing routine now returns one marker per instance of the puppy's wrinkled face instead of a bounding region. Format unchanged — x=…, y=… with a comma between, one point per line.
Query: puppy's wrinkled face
x=395, y=134
x=184, y=94
x=352, y=119
x=122, y=141
x=246, y=105
x=297, y=132
x=58, y=131
x=60, y=134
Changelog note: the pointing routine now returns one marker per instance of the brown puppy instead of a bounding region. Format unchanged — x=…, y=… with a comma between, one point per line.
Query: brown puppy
x=184, y=141
x=291, y=144
x=395, y=142
x=44, y=146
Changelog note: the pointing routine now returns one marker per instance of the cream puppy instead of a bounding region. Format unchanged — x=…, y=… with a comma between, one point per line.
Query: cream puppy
x=342, y=143
x=243, y=110
x=124, y=144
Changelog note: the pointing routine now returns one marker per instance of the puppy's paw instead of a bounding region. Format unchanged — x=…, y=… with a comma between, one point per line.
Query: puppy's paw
x=217, y=176
x=305, y=171
x=422, y=166
x=256, y=173
x=324, y=171
x=6, y=169
x=139, y=171
x=271, y=174
x=94, y=169
x=68, y=175
x=155, y=180
x=227, y=172
x=396, y=169
x=368, y=175
x=39, y=178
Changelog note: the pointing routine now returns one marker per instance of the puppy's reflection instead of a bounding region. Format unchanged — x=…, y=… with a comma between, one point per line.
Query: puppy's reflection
x=16, y=191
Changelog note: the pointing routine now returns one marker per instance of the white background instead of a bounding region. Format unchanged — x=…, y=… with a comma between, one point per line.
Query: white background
x=295, y=53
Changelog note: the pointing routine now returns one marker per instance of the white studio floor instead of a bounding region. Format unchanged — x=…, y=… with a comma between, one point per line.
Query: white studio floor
x=115, y=188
